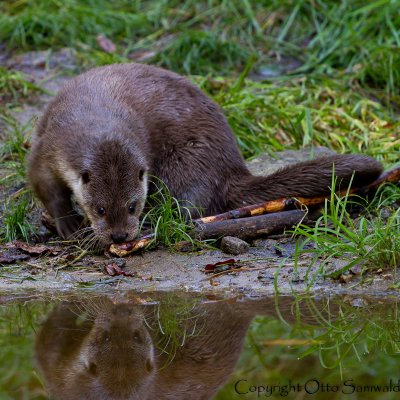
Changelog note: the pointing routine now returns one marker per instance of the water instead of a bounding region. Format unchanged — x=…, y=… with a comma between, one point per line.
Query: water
x=181, y=346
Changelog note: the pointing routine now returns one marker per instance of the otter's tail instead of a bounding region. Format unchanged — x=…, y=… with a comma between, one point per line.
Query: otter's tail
x=305, y=179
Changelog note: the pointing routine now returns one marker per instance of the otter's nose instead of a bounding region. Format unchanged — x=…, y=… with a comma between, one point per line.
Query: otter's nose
x=119, y=237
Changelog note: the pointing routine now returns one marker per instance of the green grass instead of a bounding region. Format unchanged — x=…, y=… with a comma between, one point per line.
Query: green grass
x=303, y=112
x=202, y=53
x=168, y=217
x=325, y=37
x=16, y=208
x=14, y=86
x=14, y=147
x=370, y=241
x=50, y=23
x=15, y=222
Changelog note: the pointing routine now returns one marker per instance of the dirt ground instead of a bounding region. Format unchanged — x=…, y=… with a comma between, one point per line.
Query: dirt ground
x=267, y=265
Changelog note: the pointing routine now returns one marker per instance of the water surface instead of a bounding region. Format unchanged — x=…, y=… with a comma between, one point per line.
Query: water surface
x=182, y=346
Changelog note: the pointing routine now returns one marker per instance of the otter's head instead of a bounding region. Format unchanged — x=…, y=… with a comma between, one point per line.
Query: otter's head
x=112, y=191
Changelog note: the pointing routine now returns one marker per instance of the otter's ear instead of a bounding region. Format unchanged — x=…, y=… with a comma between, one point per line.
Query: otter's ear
x=85, y=176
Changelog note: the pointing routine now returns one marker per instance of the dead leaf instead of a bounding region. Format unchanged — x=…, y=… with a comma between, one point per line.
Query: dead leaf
x=142, y=55
x=106, y=44
x=215, y=297
x=114, y=269
x=36, y=250
x=212, y=267
x=7, y=258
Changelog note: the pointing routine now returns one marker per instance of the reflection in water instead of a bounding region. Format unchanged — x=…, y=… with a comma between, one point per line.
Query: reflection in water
x=169, y=346
x=103, y=350
x=331, y=348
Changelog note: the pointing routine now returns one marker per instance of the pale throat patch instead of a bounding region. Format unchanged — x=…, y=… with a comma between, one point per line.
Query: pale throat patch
x=144, y=184
x=75, y=182
x=142, y=199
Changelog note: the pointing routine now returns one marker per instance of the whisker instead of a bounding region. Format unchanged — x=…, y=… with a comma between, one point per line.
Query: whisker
x=91, y=242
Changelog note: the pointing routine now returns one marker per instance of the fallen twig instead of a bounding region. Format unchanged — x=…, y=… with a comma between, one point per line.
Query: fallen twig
x=247, y=228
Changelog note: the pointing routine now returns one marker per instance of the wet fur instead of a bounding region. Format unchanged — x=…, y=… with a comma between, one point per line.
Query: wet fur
x=113, y=122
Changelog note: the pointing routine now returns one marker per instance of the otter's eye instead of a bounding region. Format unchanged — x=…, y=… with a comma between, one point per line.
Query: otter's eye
x=101, y=211
x=137, y=337
x=132, y=207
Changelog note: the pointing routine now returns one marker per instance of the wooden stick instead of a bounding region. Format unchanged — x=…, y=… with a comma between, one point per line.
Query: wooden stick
x=290, y=203
x=268, y=207
x=389, y=176
x=250, y=227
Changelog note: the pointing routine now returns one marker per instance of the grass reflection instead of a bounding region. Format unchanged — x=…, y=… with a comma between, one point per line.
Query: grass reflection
x=19, y=322
x=342, y=340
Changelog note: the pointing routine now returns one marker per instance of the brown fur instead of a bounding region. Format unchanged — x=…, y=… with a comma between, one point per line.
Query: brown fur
x=110, y=124
x=100, y=358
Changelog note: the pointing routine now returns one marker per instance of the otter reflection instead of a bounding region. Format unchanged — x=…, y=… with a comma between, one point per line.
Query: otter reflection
x=103, y=350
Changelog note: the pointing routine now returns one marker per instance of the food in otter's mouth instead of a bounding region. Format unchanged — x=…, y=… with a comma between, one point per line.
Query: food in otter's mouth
x=123, y=249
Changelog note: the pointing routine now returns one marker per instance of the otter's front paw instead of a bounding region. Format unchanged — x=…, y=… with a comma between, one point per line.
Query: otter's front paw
x=70, y=227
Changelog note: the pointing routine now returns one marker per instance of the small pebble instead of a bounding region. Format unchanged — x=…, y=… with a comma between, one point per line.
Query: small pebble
x=295, y=277
x=266, y=276
x=234, y=245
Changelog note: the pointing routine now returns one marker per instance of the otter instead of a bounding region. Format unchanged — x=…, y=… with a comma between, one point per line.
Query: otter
x=112, y=127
